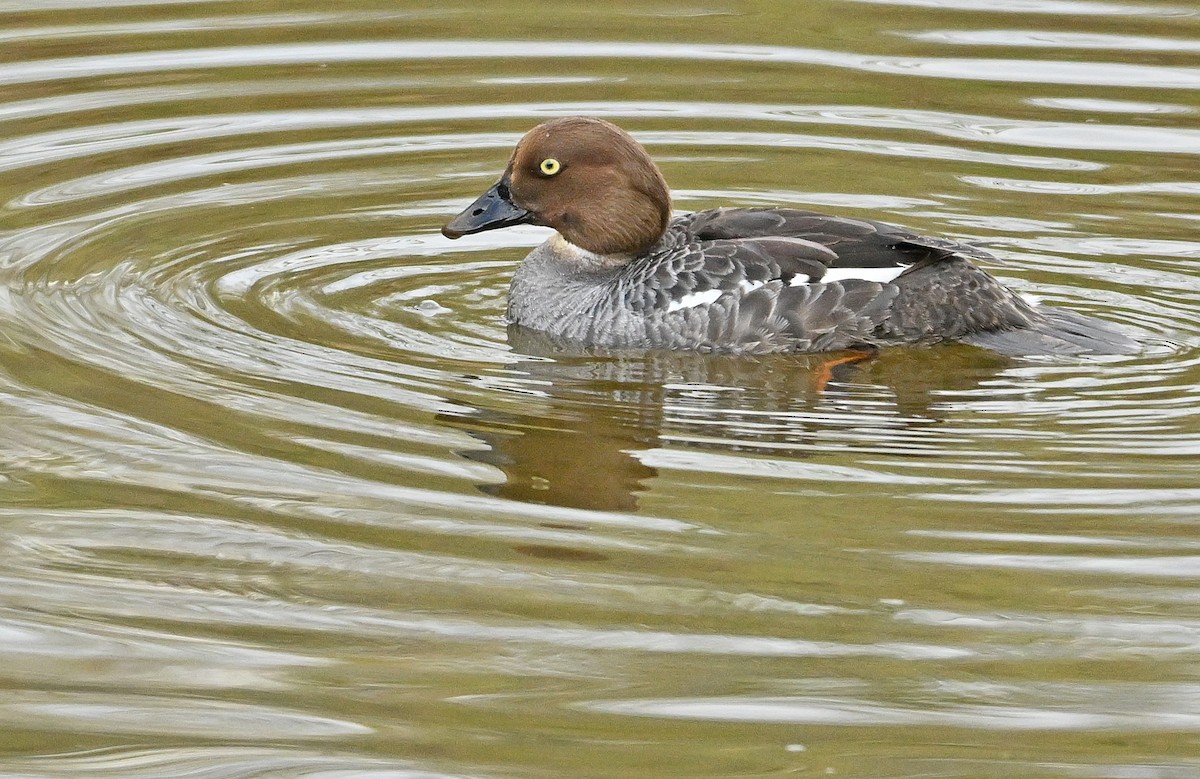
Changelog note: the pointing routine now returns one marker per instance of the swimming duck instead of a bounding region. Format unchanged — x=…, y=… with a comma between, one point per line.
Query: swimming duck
x=620, y=272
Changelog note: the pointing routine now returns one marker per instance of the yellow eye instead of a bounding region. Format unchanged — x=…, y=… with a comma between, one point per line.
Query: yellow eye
x=550, y=166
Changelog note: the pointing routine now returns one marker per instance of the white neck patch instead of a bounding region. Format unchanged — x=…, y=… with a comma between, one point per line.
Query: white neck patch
x=566, y=250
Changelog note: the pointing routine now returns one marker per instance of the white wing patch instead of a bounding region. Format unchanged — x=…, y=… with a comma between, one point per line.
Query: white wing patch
x=882, y=275
x=694, y=299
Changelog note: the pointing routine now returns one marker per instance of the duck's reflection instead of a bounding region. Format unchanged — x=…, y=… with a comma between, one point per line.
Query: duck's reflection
x=577, y=437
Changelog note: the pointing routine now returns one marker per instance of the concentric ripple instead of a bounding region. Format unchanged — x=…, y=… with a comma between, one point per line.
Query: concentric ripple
x=284, y=495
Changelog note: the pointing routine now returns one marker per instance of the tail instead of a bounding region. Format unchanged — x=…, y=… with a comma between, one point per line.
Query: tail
x=1060, y=332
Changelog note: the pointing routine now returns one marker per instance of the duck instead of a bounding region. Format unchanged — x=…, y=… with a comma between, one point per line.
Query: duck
x=623, y=272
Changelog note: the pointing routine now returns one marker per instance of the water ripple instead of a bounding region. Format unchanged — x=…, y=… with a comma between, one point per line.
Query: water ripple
x=1169, y=708
x=1114, y=74
x=230, y=762
x=147, y=715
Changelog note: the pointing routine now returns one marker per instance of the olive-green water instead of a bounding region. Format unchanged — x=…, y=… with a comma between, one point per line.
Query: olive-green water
x=280, y=496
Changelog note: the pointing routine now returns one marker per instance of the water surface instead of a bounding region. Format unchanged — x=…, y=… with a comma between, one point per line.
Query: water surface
x=281, y=495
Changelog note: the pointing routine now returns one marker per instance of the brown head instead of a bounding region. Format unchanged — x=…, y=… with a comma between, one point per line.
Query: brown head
x=586, y=178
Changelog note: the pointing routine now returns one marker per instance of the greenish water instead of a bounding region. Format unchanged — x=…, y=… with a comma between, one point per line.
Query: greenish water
x=281, y=496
